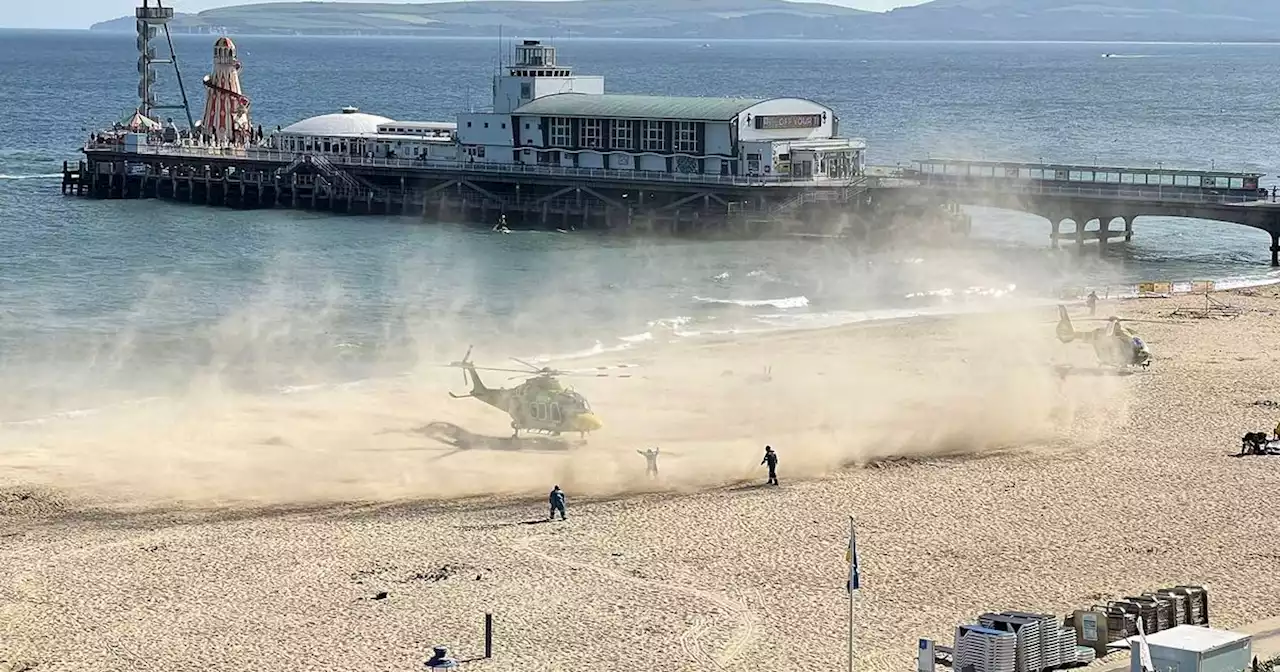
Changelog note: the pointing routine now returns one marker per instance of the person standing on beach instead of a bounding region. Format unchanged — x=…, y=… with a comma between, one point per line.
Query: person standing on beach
x=1092, y=302
x=651, y=461
x=557, y=503
x=771, y=459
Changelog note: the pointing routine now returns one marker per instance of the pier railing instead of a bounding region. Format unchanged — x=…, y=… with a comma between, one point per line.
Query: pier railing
x=1119, y=192
x=539, y=170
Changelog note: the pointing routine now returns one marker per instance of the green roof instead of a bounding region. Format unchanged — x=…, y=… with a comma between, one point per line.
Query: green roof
x=610, y=106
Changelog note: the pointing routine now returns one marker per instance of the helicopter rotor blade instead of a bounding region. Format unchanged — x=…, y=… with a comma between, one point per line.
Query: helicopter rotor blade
x=611, y=367
x=524, y=363
x=484, y=368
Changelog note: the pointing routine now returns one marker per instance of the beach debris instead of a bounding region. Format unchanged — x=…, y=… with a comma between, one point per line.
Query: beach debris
x=380, y=595
x=1266, y=403
x=444, y=572
x=360, y=575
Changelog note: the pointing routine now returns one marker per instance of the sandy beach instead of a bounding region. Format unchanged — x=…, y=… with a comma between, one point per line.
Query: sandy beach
x=223, y=532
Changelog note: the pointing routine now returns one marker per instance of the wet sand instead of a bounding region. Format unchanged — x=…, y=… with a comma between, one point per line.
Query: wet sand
x=225, y=532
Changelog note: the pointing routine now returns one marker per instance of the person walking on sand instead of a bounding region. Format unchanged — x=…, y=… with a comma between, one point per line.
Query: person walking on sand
x=651, y=461
x=557, y=503
x=771, y=459
x=1092, y=302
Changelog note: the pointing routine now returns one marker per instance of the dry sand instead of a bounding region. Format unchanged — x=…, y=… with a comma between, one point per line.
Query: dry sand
x=231, y=533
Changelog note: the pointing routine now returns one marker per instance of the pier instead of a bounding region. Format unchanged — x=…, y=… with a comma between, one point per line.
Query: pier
x=570, y=198
x=555, y=151
x=469, y=192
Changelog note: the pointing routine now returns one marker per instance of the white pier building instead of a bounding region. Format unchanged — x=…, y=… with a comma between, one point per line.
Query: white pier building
x=545, y=115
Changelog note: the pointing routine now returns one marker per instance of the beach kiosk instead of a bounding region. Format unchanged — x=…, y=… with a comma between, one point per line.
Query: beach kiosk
x=1191, y=648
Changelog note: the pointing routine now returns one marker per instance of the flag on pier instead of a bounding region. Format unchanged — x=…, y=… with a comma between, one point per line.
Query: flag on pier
x=851, y=557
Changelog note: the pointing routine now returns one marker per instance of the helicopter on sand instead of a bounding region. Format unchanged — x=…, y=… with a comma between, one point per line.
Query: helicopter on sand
x=540, y=404
x=1115, y=344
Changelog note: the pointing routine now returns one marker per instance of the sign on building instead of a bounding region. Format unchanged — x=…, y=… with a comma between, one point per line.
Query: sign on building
x=773, y=122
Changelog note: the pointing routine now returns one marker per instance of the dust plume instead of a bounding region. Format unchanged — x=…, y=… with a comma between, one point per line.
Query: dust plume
x=269, y=409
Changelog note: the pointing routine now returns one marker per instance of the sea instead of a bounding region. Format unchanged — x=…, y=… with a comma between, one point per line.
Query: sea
x=105, y=302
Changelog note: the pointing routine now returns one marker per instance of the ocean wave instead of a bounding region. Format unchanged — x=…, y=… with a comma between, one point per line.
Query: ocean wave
x=637, y=338
x=840, y=318
x=598, y=349
x=948, y=292
x=784, y=303
x=40, y=176
x=670, y=322
x=764, y=275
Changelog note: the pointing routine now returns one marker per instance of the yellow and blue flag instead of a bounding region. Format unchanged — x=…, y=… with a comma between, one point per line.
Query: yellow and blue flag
x=851, y=557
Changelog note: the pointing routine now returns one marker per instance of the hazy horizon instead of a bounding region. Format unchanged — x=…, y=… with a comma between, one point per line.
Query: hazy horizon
x=74, y=14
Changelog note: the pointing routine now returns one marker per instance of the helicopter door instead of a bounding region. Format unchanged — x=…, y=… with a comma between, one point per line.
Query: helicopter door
x=555, y=413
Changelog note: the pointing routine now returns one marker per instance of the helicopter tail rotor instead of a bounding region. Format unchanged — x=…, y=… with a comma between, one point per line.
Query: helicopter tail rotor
x=464, y=364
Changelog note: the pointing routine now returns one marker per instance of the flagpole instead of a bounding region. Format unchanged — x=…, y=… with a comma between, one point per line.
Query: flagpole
x=851, y=605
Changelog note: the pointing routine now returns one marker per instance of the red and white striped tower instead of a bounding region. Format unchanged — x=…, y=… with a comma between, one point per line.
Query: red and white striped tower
x=226, y=108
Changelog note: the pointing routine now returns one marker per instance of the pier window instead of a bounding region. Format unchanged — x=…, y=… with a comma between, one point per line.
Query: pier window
x=561, y=134
x=686, y=137
x=590, y=135
x=655, y=139
x=620, y=136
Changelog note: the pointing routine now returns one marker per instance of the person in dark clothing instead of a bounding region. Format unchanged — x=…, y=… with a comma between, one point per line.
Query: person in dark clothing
x=557, y=503
x=441, y=660
x=1092, y=302
x=771, y=459
x=651, y=461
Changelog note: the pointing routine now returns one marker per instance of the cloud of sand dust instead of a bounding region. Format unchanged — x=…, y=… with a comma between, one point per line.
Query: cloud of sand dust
x=260, y=413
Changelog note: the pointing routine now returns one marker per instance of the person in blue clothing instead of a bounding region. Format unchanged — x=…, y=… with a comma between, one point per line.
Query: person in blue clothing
x=557, y=503
x=771, y=459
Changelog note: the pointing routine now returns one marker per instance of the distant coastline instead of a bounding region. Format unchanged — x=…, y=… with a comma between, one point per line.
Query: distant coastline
x=995, y=21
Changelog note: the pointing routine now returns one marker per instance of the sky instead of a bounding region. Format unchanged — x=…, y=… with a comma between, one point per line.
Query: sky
x=83, y=13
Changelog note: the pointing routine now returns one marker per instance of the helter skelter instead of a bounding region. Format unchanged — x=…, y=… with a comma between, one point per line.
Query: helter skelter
x=226, y=108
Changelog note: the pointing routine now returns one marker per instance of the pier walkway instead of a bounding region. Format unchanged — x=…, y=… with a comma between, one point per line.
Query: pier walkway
x=1082, y=194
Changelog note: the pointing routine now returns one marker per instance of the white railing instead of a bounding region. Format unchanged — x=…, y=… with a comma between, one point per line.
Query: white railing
x=287, y=157
x=1118, y=192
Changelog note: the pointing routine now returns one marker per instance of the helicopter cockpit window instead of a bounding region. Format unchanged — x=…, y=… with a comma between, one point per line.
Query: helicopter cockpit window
x=575, y=402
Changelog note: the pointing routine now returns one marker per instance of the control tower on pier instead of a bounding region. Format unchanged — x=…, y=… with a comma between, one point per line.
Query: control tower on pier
x=535, y=74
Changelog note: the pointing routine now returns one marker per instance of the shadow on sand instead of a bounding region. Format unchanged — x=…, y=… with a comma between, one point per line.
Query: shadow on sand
x=458, y=438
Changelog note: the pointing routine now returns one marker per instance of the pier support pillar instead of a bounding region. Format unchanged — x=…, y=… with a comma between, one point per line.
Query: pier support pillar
x=1275, y=248
x=1128, y=229
x=1080, y=222
x=1104, y=234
